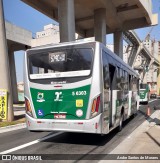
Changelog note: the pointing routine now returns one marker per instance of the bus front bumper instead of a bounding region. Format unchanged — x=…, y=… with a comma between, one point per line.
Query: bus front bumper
x=143, y=100
x=87, y=126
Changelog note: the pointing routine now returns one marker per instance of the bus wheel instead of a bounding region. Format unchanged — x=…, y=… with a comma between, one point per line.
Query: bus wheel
x=35, y=131
x=135, y=114
x=120, y=123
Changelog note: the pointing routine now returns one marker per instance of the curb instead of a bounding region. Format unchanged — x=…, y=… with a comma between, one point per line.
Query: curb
x=125, y=146
x=19, y=106
x=12, y=127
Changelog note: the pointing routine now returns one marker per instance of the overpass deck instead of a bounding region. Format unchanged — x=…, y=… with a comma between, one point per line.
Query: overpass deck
x=120, y=15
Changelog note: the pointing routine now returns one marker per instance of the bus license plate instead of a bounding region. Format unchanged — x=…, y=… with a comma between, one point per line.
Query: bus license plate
x=59, y=116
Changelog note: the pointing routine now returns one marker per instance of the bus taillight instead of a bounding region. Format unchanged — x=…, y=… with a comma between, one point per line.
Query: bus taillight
x=28, y=107
x=95, y=106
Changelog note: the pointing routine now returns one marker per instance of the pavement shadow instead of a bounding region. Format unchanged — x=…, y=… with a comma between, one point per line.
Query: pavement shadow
x=149, y=119
x=96, y=139
x=156, y=107
x=142, y=112
x=157, y=121
x=19, y=117
x=83, y=138
x=153, y=138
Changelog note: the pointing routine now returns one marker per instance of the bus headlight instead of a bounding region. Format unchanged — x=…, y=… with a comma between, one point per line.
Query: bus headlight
x=95, y=106
x=28, y=107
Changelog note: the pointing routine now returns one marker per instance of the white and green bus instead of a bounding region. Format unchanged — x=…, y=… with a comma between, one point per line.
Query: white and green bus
x=143, y=93
x=78, y=87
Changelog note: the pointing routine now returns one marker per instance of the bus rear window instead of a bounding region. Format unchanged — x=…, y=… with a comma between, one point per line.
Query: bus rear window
x=60, y=63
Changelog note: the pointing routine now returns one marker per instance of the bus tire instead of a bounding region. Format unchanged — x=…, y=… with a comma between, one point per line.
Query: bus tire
x=135, y=111
x=120, y=123
x=35, y=131
x=135, y=114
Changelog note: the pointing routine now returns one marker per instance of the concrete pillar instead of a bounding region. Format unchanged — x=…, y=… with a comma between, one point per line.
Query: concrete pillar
x=66, y=18
x=13, y=76
x=5, y=80
x=118, y=43
x=135, y=52
x=100, y=25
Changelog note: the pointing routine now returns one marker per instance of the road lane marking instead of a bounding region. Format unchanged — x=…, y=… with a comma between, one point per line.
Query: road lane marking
x=30, y=143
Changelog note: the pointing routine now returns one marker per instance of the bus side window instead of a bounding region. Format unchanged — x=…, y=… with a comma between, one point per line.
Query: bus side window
x=130, y=86
x=126, y=81
x=134, y=84
x=113, y=77
x=119, y=74
x=122, y=79
x=106, y=79
x=138, y=86
x=105, y=71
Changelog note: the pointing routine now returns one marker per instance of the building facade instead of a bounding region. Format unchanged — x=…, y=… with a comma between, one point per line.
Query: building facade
x=152, y=75
x=49, y=35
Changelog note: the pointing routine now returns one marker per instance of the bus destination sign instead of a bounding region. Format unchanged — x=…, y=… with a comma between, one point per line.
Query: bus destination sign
x=57, y=57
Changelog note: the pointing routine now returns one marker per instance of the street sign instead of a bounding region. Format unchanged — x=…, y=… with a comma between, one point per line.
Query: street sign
x=3, y=104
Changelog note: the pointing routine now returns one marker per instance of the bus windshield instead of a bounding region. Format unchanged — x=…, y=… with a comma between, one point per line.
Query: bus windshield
x=60, y=63
x=143, y=86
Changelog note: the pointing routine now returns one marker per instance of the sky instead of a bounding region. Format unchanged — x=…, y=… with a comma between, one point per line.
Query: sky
x=22, y=15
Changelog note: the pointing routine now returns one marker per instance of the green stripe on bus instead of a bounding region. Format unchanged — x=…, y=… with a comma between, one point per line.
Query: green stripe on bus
x=68, y=101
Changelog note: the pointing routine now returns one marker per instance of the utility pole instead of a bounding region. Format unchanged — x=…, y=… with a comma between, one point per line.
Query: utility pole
x=5, y=81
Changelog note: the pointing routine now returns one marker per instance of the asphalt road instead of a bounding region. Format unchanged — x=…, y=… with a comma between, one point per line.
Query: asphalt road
x=24, y=142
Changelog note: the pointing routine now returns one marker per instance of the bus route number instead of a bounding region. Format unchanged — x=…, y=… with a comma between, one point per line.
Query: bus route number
x=57, y=57
x=79, y=93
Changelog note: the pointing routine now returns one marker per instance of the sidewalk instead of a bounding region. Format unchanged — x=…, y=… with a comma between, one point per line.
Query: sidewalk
x=144, y=140
x=19, y=111
x=19, y=117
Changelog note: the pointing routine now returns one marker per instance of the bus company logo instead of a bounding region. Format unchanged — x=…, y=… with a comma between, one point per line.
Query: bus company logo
x=40, y=97
x=58, y=96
